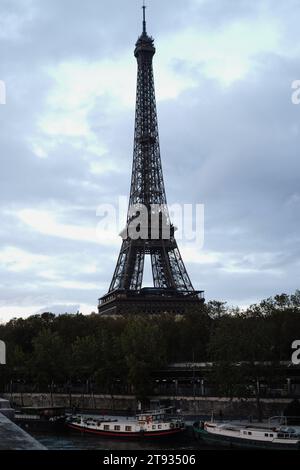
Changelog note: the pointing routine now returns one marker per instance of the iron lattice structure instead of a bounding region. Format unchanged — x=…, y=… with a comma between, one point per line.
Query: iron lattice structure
x=170, y=277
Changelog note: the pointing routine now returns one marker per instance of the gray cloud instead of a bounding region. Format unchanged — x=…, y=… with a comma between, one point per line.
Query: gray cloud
x=233, y=148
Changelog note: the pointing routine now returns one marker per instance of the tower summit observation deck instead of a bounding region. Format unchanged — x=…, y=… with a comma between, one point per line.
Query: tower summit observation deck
x=172, y=290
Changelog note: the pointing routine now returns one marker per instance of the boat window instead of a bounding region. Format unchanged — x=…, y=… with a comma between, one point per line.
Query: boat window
x=271, y=435
x=249, y=433
x=153, y=427
x=128, y=428
x=159, y=426
x=106, y=427
x=117, y=428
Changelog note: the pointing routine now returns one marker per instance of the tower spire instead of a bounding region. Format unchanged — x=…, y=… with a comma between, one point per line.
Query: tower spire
x=144, y=18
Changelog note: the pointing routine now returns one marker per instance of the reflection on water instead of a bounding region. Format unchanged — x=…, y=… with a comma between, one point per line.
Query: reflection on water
x=78, y=441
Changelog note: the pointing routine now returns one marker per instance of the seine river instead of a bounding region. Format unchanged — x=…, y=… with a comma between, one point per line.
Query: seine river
x=74, y=441
x=86, y=442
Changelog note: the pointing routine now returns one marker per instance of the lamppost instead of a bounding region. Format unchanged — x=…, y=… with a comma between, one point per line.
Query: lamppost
x=202, y=387
x=51, y=392
x=11, y=390
x=69, y=385
x=20, y=390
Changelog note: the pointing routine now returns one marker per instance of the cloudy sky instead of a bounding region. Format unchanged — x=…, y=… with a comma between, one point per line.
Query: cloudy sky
x=229, y=134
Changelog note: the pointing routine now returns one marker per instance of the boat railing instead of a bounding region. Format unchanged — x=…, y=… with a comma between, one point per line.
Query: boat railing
x=157, y=412
x=287, y=435
x=282, y=420
x=26, y=416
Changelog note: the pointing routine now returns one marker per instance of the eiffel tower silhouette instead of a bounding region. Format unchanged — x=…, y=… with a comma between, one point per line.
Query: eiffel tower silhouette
x=173, y=290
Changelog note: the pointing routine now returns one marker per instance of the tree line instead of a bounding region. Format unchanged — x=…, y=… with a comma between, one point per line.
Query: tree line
x=66, y=349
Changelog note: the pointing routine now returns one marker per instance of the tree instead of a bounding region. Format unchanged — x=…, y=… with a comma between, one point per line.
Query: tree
x=144, y=352
x=49, y=359
x=85, y=357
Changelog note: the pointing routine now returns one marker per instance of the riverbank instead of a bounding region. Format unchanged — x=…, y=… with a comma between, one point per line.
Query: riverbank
x=14, y=438
x=190, y=406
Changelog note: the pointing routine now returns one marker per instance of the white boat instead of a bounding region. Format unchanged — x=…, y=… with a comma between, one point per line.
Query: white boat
x=248, y=435
x=150, y=424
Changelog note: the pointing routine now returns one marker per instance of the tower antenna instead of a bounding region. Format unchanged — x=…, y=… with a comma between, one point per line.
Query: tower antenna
x=144, y=17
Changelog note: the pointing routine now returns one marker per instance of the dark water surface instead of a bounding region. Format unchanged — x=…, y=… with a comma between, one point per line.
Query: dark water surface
x=78, y=441
x=74, y=440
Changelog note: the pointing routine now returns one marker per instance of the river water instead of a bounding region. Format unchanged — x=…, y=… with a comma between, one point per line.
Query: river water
x=73, y=440
x=78, y=441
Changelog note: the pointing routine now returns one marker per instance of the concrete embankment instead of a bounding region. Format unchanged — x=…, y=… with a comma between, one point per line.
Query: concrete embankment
x=11, y=436
x=193, y=406
x=6, y=409
x=14, y=438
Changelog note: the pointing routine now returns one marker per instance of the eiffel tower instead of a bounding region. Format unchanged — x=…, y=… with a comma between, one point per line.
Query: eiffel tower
x=173, y=291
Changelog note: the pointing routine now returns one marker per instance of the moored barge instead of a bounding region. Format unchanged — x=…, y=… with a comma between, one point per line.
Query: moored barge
x=248, y=436
x=40, y=418
x=150, y=424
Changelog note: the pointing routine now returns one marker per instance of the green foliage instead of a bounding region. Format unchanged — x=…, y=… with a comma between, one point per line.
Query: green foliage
x=228, y=380
x=144, y=351
x=50, y=357
x=85, y=356
x=45, y=349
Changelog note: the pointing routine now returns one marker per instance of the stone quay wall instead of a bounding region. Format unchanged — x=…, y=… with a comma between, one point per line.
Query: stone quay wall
x=190, y=406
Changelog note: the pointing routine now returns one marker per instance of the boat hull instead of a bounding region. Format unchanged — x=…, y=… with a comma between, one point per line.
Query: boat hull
x=239, y=443
x=41, y=425
x=128, y=435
